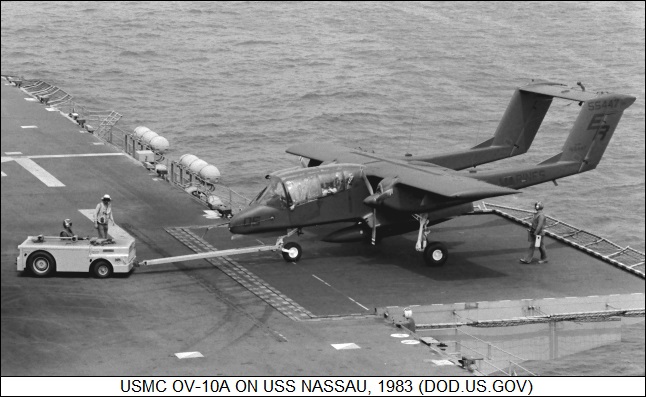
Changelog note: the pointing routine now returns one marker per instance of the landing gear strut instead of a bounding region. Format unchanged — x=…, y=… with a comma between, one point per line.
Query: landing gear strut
x=435, y=253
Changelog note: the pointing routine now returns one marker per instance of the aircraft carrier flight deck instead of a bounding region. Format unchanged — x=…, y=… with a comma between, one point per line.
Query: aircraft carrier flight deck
x=334, y=312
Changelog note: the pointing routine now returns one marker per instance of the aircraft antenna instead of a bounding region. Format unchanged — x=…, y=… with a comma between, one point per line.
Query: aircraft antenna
x=477, y=143
x=410, y=133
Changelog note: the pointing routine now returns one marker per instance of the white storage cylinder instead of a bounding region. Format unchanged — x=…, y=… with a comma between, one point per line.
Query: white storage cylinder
x=210, y=173
x=148, y=136
x=159, y=144
x=186, y=160
x=140, y=131
x=197, y=165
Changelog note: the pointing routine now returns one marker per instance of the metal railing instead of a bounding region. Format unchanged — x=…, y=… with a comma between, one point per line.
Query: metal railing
x=103, y=125
x=625, y=258
x=494, y=358
x=205, y=190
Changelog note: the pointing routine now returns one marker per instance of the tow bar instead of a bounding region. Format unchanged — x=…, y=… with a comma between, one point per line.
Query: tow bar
x=291, y=252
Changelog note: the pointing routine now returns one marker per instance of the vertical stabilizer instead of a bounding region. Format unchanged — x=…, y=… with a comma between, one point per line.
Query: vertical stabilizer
x=584, y=146
x=514, y=134
x=593, y=129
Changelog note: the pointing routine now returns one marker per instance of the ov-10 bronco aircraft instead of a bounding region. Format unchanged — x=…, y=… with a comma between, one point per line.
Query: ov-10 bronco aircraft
x=391, y=196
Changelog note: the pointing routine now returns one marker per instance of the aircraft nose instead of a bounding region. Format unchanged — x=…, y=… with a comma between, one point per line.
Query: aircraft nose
x=253, y=220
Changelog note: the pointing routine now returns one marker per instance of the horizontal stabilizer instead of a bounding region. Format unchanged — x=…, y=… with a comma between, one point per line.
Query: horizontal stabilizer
x=556, y=90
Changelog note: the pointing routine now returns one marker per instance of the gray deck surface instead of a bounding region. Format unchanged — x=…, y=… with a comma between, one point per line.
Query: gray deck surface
x=73, y=324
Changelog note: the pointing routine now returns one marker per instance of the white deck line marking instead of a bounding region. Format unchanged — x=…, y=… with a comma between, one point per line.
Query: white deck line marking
x=51, y=109
x=321, y=280
x=345, y=346
x=39, y=172
x=365, y=308
x=28, y=126
x=3, y=174
x=98, y=143
x=31, y=99
x=12, y=153
x=442, y=362
x=113, y=230
x=183, y=355
x=56, y=156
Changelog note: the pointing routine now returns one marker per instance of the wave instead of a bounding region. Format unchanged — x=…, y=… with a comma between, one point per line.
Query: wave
x=257, y=42
x=341, y=94
x=129, y=53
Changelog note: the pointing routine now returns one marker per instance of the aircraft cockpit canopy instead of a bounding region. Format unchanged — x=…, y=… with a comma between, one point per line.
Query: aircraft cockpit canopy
x=273, y=195
x=298, y=187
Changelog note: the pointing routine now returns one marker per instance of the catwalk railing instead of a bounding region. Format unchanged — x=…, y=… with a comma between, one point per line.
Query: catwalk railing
x=625, y=258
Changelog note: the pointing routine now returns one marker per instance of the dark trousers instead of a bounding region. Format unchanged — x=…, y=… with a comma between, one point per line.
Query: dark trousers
x=530, y=251
x=103, y=230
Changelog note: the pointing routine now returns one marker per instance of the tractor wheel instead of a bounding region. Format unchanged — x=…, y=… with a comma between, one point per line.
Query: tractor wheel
x=102, y=269
x=41, y=264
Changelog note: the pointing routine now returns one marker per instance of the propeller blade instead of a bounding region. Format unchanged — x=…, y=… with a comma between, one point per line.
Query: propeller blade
x=374, y=226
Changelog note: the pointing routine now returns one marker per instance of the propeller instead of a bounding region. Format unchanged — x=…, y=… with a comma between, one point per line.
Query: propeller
x=384, y=190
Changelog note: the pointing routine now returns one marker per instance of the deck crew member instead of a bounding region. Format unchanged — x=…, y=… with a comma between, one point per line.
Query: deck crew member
x=67, y=229
x=537, y=231
x=102, y=215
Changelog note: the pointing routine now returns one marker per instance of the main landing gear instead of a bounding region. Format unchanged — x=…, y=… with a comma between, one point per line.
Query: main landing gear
x=435, y=253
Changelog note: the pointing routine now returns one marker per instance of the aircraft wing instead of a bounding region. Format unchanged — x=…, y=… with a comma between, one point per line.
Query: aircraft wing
x=325, y=152
x=428, y=177
x=437, y=180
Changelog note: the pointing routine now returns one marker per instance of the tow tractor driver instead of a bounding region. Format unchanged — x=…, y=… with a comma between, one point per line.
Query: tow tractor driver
x=67, y=231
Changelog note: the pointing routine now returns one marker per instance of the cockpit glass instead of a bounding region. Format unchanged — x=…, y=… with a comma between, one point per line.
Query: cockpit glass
x=272, y=195
x=306, y=188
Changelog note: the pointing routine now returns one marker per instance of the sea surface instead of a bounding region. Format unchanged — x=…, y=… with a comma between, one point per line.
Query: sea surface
x=235, y=83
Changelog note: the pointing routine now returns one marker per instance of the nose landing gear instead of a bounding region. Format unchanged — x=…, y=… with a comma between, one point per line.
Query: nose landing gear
x=292, y=252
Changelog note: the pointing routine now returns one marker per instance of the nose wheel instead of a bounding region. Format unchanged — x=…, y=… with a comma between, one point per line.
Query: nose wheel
x=292, y=252
x=435, y=254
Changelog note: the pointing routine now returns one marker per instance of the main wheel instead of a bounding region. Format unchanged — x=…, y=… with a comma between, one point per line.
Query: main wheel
x=102, y=269
x=292, y=252
x=435, y=254
x=41, y=264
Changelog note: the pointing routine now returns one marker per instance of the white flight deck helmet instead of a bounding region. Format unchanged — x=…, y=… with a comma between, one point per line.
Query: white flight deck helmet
x=106, y=197
x=67, y=223
x=539, y=206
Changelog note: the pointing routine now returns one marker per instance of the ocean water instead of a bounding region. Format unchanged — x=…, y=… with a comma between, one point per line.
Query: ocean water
x=237, y=83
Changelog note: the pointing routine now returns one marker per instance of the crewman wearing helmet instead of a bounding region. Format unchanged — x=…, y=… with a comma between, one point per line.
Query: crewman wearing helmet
x=67, y=229
x=536, y=235
x=103, y=214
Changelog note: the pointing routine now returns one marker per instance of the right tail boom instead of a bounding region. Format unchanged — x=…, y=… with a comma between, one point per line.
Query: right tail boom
x=583, y=148
x=517, y=128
